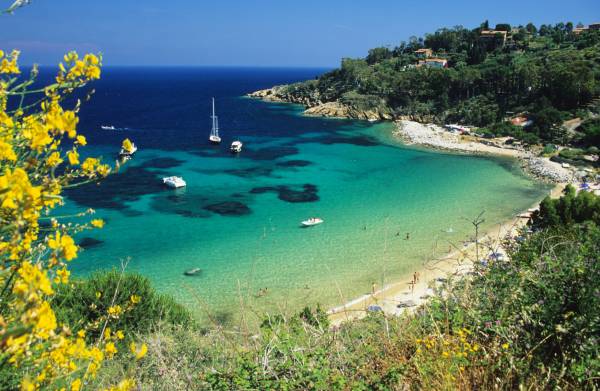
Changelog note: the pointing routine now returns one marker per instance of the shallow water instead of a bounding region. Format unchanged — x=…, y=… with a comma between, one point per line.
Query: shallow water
x=238, y=218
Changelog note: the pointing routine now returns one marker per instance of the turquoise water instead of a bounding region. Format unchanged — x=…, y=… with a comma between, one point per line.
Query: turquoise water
x=238, y=218
x=367, y=194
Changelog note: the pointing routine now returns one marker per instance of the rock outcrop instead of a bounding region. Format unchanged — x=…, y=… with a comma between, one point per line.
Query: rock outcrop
x=339, y=110
x=315, y=107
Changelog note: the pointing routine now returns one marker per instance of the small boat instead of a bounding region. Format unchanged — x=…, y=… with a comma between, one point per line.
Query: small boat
x=236, y=146
x=214, y=132
x=174, y=182
x=192, y=272
x=565, y=165
x=107, y=127
x=312, y=221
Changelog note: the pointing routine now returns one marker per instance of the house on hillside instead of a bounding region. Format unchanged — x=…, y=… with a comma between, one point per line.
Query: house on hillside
x=494, y=35
x=521, y=120
x=433, y=62
x=424, y=53
x=592, y=26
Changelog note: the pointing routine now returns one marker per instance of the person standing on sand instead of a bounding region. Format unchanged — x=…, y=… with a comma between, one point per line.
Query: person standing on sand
x=407, y=235
x=373, y=288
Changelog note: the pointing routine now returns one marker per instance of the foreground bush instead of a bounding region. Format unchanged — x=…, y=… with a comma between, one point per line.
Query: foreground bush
x=86, y=302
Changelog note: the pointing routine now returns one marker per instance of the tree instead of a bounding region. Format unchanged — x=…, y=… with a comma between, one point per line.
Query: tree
x=378, y=54
x=503, y=27
x=531, y=29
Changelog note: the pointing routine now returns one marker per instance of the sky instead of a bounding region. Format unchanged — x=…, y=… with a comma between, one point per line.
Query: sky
x=307, y=33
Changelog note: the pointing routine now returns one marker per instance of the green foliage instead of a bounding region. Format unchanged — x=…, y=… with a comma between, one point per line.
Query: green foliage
x=78, y=304
x=590, y=132
x=550, y=73
x=570, y=209
x=545, y=301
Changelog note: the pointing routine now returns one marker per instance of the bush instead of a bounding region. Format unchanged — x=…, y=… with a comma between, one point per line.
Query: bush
x=590, y=132
x=85, y=302
x=570, y=209
x=571, y=153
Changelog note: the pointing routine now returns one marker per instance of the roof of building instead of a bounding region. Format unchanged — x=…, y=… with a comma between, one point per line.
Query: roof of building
x=493, y=32
x=425, y=50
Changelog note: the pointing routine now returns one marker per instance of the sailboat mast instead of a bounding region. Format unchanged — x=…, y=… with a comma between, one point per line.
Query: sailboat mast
x=215, y=121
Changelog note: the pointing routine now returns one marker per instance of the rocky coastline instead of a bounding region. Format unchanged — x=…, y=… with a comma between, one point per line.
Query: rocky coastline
x=318, y=108
x=417, y=130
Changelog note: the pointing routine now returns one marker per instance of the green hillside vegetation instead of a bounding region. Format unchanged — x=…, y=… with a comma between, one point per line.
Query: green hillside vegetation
x=550, y=73
x=531, y=321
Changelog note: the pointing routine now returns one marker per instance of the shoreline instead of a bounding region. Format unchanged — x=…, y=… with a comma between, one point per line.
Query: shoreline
x=427, y=135
x=436, y=137
x=396, y=297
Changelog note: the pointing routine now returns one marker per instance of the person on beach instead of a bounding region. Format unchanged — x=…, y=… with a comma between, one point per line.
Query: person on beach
x=373, y=288
x=407, y=235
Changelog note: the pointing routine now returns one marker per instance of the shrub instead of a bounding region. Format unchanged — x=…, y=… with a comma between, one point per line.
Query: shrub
x=85, y=302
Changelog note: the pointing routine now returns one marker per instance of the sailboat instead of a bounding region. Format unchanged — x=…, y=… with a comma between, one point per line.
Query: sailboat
x=214, y=133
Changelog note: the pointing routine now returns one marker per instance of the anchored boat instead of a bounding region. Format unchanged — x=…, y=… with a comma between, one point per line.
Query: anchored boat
x=214, y=132
x=174, y=182
x=236, y=146
x=312, y=221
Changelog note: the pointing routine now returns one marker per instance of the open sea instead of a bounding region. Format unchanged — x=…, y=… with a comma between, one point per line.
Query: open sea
x=239, y=217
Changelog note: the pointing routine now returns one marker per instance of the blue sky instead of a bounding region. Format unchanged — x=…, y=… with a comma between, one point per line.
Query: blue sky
x=252, y=32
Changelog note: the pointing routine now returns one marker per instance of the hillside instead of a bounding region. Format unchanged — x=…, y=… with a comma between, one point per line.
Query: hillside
x=481, y=77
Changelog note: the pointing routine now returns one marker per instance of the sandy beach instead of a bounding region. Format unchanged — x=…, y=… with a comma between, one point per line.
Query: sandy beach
x=414, y=288
x=395, y=298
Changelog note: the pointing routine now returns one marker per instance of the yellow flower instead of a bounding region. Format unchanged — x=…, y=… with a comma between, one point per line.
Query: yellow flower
x=138, y=353
x=6, y=151
x=62, y=276
x=115, y=310
x=445, y=354
x=81, y=333
x=81, y=140
x=127, y=145
x=98, y=295
x=107, y=333
x=73, y=157
x=27, y=385
x=70, y=57
x=505, y=346
x=103, y=170
x=135, y=299
x=54, y=159
x=76, y=385
x=98, y=223
x=120, y=334
x=46, y=321
x=63, y=244
x=110, y=349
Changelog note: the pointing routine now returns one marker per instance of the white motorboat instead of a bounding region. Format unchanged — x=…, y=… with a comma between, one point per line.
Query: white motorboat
x=214, y=132
x=174, y=182
x=312, y=221
x=236, y=146
x=107, y=127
